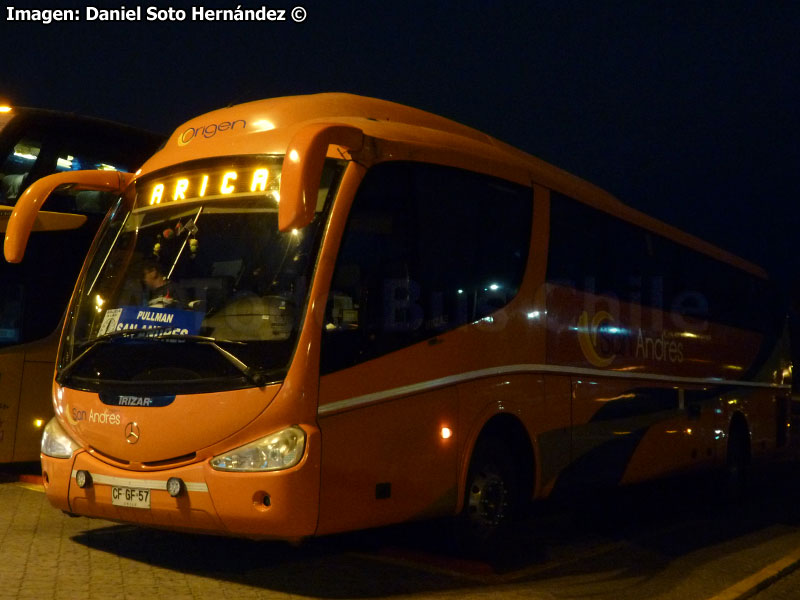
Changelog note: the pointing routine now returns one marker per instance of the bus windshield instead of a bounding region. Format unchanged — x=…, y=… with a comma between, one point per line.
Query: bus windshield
x=192, y=255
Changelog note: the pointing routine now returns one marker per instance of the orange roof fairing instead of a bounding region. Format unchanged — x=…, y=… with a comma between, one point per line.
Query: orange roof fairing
x=267, y=126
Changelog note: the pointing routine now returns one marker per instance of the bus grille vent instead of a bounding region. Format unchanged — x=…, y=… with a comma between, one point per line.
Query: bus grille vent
x=108, y=457
x=171, y=461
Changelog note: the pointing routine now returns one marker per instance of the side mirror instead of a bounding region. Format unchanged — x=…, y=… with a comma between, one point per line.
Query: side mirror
x=23, y=217
x=302, y=170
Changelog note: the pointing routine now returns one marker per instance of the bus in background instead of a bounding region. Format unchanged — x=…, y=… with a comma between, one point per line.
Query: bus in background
x=315, y=314
x=34, y=294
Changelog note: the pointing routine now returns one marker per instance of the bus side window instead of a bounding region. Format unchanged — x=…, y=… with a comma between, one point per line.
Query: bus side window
x=15, y=168
x=426, y=249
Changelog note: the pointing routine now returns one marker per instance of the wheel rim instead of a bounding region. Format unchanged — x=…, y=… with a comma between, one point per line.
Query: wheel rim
x=487, y=504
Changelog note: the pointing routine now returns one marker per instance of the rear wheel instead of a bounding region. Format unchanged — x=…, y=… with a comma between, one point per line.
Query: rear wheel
x=738, y=460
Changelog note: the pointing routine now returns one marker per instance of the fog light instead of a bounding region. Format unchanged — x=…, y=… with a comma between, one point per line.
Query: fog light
x=83, y=478
x=175, y=486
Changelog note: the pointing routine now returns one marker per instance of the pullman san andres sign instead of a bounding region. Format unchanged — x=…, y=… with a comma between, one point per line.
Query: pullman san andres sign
x=164, y=321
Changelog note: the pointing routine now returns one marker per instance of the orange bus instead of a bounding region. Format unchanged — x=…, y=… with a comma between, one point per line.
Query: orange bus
x=33, y=295
x=314, y=314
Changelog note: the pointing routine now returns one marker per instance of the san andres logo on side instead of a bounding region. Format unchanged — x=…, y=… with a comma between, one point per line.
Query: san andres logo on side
x=602, y=341
x=587, y=338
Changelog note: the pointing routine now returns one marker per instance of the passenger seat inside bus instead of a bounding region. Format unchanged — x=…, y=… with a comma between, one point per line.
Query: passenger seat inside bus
x=90, y=202
x=10, y=188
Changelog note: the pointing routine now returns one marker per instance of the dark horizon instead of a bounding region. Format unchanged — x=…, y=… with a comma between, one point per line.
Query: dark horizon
x=684, y=111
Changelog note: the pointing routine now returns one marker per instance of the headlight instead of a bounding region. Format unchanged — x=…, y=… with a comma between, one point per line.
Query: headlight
x=55, y=442
x=277, y=451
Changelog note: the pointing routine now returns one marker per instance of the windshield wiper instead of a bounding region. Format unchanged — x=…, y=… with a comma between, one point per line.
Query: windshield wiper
x=92, y=343
x=142, y=333
x=256, y=376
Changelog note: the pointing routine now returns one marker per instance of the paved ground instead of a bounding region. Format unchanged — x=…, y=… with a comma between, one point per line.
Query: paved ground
x=786, y=588
x=617, y=552
x=45, y=554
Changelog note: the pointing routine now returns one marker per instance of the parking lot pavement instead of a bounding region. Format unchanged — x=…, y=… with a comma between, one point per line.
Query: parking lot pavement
x=698, y=551
x=39, y=558
x=45, y=554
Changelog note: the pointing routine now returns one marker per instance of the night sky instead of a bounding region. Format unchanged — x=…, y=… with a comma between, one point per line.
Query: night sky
x=686, y=110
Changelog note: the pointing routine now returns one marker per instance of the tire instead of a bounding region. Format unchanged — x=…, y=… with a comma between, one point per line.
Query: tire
x=491, y=498
x=737, y=462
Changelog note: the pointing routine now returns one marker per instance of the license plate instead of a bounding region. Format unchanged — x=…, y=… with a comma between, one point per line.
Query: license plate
x=131, y=497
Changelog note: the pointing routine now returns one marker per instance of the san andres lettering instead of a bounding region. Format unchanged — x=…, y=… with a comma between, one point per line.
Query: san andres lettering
x=660, y=349
x=103, y=418
x=657, y=348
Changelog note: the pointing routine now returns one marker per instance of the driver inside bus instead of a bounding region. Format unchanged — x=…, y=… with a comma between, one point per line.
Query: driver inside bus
x=161, y=292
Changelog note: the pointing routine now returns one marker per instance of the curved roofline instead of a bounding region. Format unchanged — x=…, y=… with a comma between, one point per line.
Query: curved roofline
x=283, y=116
x=334, y=105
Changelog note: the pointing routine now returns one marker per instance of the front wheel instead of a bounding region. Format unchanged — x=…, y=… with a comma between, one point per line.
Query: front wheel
x=491, y=500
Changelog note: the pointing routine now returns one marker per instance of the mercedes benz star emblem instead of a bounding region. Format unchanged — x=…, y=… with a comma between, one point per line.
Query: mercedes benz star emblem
x=132, y=432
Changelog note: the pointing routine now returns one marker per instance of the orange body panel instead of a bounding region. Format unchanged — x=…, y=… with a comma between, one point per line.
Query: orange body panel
x=57, y=478
x=14, y=245
x=387, y=462
x=87, y=418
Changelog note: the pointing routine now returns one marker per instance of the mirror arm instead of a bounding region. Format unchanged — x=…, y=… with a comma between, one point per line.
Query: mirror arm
x=23, y=217
x=302, y=170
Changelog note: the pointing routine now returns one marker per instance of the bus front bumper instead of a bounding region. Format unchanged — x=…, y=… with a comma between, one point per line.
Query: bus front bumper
x=277, y=505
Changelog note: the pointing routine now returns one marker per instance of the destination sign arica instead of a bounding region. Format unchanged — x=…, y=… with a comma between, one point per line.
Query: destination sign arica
x=209, y=184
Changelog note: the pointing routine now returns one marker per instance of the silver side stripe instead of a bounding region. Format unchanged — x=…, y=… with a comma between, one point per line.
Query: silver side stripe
x=432, y=384
x=152, y=484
